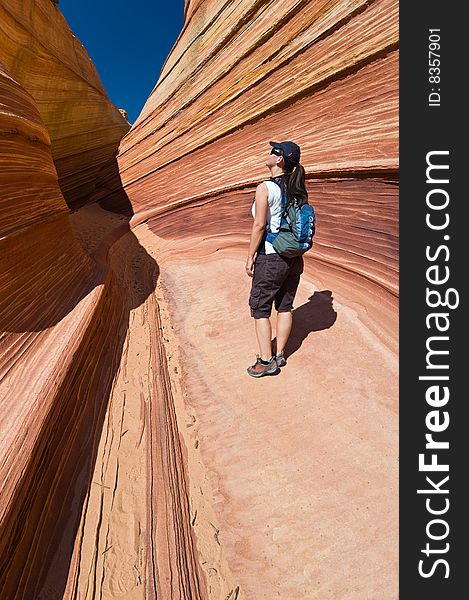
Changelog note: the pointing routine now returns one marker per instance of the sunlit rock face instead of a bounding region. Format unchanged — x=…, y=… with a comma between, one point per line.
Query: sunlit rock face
x=46, y=59
x=322, y=74
x=59, y=307
x=137, y=458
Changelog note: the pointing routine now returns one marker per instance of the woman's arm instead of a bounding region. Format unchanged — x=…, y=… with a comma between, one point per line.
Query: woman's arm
x=258, y=227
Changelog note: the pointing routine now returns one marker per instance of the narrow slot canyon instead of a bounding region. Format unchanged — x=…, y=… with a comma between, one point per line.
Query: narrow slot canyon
x=138, y=459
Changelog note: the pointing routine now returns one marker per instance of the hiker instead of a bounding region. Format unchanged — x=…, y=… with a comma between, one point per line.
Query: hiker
x=275, y=277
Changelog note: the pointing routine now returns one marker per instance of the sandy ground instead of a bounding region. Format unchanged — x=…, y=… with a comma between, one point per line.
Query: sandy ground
x=291, y=479
x=302, y=465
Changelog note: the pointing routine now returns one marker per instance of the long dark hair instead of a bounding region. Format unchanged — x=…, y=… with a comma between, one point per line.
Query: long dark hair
x=293, y=182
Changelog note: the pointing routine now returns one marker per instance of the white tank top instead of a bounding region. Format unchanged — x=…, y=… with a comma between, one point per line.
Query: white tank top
x=274, y=211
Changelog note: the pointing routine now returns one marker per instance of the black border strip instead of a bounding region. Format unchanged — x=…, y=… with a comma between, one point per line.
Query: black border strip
x=433, y=270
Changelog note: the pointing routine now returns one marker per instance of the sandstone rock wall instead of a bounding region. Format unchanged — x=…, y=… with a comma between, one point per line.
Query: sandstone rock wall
x=51, y=291
x=322, y=73
x=59, y=308
x=64, y=321
x=46, y=59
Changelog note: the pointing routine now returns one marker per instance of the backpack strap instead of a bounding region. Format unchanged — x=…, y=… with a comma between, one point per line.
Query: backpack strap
x=284, y=204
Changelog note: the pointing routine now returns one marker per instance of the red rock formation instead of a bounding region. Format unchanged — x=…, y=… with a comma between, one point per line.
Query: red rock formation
x=43, y=55
x=50, y=291
x=323, y=75
x=64, y=320
x=138, y=459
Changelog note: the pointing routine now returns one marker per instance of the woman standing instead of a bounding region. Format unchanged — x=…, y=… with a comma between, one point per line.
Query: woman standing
x=275, y=278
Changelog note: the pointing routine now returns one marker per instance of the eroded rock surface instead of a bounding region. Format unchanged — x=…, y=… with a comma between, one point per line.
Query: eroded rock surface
x=323, y=74
x=47, y=60
x=138, y=459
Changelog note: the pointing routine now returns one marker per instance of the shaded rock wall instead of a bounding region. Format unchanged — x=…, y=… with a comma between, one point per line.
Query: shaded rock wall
x=61, y=314
x=64, y=320
x=43, y=55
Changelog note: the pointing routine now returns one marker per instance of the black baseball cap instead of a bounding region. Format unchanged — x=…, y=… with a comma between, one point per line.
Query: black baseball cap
x=290, y=151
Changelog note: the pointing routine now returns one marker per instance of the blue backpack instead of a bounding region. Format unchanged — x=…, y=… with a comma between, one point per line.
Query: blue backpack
x=296, y=231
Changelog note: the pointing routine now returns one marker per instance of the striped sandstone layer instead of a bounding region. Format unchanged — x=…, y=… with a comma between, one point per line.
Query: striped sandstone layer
x=302, y=470
x=46, y=59
x=64, y=319
x=322, y=73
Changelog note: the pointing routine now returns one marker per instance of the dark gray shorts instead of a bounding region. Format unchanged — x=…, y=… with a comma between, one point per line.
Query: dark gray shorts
x=276, y=279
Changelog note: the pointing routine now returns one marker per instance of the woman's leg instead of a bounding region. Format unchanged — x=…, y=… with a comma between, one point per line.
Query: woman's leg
x=284, y=325
x=264, y=337
x=284, y=303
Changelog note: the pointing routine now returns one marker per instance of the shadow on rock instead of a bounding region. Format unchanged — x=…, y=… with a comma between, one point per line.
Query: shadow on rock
x=44, y=273
x=39, y=529
x=317, y=314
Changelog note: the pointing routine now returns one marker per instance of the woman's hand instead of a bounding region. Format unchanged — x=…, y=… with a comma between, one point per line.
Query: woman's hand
x=250, y=266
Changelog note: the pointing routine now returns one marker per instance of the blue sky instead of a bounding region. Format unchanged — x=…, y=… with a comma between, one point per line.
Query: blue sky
x=128, y=43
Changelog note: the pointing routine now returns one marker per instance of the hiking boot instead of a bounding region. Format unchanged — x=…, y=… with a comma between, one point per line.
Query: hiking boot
x=258, y=369
x=280, y=358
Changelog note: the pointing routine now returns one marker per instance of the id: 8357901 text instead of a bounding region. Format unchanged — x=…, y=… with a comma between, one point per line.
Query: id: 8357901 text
x=434, y=68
